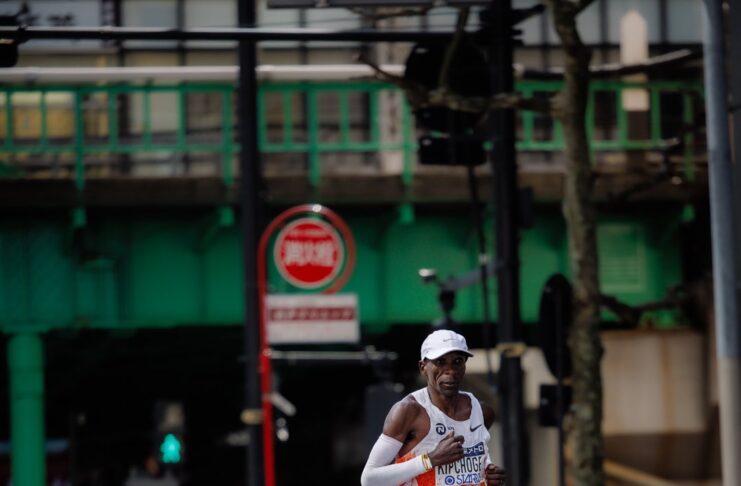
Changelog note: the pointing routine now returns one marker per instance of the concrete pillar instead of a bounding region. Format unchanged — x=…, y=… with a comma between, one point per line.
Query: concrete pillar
x=635, y=101
x=390, y=103
x=26, y=369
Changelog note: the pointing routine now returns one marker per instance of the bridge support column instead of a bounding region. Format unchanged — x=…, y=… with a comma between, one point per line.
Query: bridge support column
x=390, y=102
x=26, y=369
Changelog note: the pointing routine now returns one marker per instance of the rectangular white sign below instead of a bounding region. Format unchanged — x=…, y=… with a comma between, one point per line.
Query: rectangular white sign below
x=312, y=318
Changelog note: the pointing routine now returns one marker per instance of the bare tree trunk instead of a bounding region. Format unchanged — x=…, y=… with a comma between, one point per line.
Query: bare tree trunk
x=585, y=422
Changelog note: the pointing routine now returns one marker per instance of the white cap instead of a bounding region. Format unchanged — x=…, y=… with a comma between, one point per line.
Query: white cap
x=443, y=342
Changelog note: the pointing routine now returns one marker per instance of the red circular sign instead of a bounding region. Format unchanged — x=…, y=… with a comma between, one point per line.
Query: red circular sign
x=309, y=253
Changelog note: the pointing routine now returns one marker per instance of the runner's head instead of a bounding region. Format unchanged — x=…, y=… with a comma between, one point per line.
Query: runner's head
x=443, y=361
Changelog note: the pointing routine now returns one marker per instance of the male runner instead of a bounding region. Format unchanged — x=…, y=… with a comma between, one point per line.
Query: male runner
x=438, y=435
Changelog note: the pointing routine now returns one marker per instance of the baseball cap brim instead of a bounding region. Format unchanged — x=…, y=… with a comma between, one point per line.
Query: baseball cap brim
x=436, y=353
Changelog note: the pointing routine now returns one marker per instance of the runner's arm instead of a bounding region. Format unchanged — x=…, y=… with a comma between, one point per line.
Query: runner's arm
x=489, y=414
x=380, y=470
x=495, y=475
x=397, y=429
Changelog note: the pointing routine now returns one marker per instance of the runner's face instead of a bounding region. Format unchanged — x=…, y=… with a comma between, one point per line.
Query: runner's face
x=445, y=373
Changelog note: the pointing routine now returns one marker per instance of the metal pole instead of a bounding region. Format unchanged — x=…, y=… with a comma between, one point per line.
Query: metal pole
x=560, y=327
x=733, y=51
x=478, y=221
x=725, y=279
x=505, y=200
x=251, y=206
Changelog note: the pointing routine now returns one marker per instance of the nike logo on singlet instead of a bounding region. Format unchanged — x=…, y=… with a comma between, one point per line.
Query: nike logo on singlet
x=474, y=428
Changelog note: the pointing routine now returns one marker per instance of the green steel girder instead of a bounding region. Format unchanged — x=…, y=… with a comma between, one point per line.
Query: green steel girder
x=152, y=269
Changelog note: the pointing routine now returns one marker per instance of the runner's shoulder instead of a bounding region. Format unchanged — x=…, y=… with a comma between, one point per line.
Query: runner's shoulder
x=407, y=409
x=404, y=416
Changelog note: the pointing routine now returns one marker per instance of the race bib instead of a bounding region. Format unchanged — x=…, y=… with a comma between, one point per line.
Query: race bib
x=467, y=471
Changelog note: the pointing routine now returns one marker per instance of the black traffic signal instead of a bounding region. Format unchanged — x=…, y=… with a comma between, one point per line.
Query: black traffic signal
x=553, y=404
x=169, y=423
x=450, y=151
x=468, y=72
x=449, y=133
x=553, y=326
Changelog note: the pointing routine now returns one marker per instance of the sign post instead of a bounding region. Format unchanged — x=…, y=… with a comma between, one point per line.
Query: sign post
x=313, y=250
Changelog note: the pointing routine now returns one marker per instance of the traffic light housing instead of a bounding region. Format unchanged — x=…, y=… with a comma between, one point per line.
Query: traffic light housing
x=450, y=151
x=446, y=120
x=169, y=424
x=449, y=133
x=468, y=72
x=554, y=321
x=552, y=407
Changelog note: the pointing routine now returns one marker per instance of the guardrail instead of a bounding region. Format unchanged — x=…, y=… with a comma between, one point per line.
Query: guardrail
x=72, y=129
x=676, y=112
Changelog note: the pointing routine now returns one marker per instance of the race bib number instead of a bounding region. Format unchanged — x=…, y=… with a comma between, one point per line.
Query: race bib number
x=468, y=471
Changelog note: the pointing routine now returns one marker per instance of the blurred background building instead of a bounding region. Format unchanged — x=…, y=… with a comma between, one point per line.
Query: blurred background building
x=121, y=290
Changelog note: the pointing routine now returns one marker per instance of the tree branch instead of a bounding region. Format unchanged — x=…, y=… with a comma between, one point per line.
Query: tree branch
x=442, y=82
x=569, y=8
x=385, y=14
x=483, y=105
x=668, y=148
x=676, y=298
x=580, y=5
x=617, y=69
x=419, y=96
x=416, y=94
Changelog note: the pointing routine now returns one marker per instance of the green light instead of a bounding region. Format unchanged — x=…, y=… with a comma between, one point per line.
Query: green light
x=170, y=449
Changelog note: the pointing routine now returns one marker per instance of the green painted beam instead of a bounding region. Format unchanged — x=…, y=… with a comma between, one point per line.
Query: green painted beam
x=155, y=271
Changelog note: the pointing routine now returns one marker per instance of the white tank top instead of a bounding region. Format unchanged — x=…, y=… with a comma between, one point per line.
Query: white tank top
x=466, y=471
